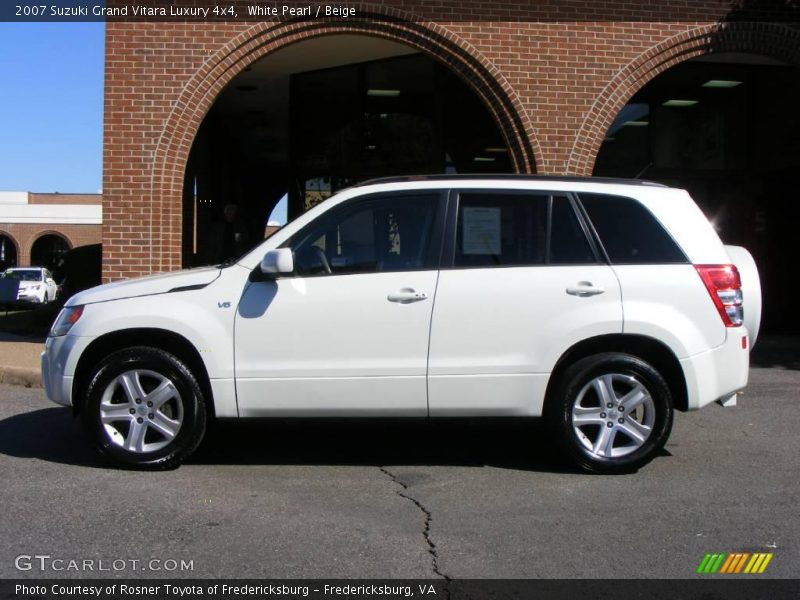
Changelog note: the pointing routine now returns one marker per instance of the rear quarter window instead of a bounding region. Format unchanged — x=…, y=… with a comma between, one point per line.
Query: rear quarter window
x=629, y=232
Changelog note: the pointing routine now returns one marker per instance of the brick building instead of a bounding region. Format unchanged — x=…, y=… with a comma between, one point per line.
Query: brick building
x=203, y=114
x=37, y=228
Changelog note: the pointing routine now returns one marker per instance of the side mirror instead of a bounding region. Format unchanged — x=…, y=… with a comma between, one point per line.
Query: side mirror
x=278, y=262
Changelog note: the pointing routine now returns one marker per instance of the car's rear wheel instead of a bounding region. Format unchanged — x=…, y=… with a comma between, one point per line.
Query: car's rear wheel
x=610, y=413
x=144, y=408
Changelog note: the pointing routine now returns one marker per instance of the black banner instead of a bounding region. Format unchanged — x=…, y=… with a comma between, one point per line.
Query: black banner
x=734, y=588
x=786, y=11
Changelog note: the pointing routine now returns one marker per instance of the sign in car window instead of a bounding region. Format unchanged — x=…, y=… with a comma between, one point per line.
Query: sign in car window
x=481, y=230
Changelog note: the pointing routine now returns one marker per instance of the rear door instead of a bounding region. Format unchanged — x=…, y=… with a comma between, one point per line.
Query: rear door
x=524, y=282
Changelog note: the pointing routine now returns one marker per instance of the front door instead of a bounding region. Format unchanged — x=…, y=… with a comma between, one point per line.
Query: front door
x=347, y=334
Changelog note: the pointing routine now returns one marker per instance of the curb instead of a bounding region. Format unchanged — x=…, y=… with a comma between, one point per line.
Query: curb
x=24, y=376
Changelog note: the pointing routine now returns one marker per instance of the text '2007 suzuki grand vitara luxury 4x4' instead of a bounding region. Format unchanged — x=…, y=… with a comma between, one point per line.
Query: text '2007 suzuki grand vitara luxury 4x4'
x=601, y=305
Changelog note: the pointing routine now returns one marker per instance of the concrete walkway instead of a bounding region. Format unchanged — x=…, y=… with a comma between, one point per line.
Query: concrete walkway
x=19, y=360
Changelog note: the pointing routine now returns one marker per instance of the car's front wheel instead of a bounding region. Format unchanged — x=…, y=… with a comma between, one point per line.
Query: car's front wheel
x=610, y=413
x=144, y=408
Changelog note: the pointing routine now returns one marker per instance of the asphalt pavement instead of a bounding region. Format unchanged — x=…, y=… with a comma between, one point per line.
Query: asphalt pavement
x=380, y=499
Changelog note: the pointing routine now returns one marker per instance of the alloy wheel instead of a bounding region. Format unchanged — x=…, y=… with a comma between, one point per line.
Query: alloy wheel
x=141, y=411
x=613, y=415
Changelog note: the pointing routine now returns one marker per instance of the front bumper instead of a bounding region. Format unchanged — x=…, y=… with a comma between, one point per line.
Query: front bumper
x=59, y=360
x=30, y=296
x=718, y=373
x=23, y=301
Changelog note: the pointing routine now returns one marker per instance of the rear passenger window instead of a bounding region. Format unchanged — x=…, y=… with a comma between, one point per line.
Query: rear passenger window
x=629, y=232
x=497, y=229
x=501, y=230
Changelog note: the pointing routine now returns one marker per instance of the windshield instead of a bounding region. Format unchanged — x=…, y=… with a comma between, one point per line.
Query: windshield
x=24, y=275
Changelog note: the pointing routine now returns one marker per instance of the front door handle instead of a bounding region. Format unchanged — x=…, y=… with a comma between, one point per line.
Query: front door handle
x=407, y=296
x=584, y=289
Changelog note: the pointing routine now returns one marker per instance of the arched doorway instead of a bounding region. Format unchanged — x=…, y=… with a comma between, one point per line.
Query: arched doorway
x=8, y=251
x=723, y=126
x=47, y=250
x=320, y=115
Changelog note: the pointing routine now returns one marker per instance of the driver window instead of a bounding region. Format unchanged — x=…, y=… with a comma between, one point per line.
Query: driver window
x=373, y=236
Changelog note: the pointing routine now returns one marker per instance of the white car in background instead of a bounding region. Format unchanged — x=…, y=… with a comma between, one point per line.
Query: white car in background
x=602, y=306
x=36, y=284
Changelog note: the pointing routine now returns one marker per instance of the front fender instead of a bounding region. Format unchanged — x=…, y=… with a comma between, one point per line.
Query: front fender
x=204, y=317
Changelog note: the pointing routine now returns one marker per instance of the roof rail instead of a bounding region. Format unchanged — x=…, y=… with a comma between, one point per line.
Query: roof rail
x=507, y=177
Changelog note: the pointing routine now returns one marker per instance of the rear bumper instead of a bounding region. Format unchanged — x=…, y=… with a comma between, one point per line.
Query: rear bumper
x=717, y=373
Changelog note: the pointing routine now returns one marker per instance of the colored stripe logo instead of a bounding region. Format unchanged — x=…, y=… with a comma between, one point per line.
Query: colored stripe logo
x=734, y=563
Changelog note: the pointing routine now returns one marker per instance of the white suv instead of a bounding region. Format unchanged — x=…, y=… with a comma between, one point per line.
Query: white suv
x=34, y=284
x=601, y=305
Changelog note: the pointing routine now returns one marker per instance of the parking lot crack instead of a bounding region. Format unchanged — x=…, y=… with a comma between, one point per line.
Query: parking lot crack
x=403, y=492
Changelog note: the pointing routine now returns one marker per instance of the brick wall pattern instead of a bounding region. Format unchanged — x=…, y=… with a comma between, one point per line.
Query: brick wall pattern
x=553, y=86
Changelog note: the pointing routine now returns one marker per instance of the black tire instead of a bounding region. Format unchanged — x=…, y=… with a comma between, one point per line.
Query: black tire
x=189, y=403
x=579, y=384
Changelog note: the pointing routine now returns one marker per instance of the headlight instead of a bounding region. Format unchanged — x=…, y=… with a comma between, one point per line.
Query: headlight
x=66, y=319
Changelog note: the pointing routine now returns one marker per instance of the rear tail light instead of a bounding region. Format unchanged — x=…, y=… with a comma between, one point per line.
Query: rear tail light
x=725, y=288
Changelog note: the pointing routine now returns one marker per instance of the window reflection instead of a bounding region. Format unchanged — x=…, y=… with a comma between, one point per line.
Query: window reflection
x=398, y=116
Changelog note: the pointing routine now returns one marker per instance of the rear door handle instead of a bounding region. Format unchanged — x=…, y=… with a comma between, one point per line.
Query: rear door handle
x=407, y=296
x=584, y=289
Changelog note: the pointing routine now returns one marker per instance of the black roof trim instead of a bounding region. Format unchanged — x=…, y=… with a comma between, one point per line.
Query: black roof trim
x=508, y=177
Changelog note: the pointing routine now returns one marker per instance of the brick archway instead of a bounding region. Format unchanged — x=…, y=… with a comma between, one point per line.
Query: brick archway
x=175, y=142
x=40, y=234
x=767, y=39
x=14, y=243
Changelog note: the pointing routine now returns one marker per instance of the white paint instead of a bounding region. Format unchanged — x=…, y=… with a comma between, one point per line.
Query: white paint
x=516, y=395
x=671, y=304
x=52, y=214
x=145, y=286
x=507, y=322
x=717, y=373
x=13, y=198
x=373, y=352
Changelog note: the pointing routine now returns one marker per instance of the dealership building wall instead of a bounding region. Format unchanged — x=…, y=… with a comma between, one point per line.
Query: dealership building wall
x=37, y=226
x=553, y=87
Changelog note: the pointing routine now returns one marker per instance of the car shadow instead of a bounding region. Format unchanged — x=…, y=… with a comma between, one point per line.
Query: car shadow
x=54, y=435
x=49, y=434
x=776, y=351
x=503, y=443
